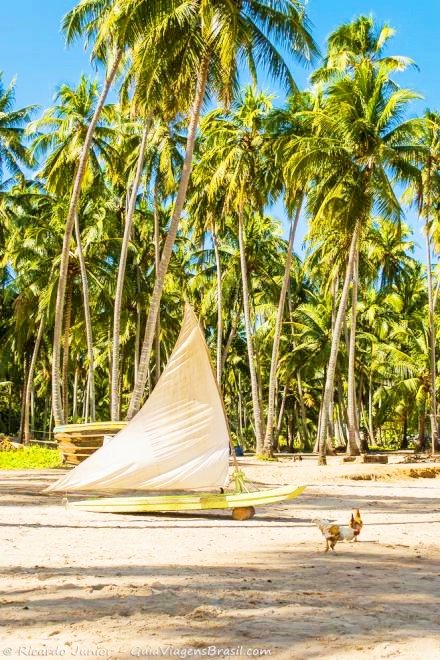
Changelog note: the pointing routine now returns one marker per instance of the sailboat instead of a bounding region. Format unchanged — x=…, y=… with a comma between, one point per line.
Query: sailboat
x=179, y=440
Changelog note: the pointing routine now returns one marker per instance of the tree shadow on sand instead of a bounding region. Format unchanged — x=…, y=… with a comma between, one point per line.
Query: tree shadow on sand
x=288, y=598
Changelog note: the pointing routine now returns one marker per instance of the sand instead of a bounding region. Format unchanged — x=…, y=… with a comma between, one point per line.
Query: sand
x=77, y=584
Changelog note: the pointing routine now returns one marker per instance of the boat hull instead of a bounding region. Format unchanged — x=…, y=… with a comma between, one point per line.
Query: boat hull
x=178, y=503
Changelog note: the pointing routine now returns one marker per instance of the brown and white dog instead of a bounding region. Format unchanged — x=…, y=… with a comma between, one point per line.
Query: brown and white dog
x=333, y=533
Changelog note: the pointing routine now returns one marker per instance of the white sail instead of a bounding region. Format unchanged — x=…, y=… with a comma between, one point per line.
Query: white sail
x=178, y=440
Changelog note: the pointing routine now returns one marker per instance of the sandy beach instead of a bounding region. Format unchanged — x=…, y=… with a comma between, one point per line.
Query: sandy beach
x=117, y=586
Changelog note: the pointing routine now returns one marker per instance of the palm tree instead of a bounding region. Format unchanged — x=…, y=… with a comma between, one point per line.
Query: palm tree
x=233, y=156
x=282, y=124
x=114, y=394
x=59, y=137
x=351, y=44
x=359, y=140
x=93, y=19
x=221, y=33
x=268, y=440
x=428, y=202
x=386, y=261
x=164, y=163
x=205, y=217
x=110, y=28
x=31, y=251
x=388, y=247
x=351, y=48
x=13, y=153
x=311, y=325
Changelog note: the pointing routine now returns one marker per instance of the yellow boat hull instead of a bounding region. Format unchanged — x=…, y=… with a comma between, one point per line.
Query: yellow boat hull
x=196, y=502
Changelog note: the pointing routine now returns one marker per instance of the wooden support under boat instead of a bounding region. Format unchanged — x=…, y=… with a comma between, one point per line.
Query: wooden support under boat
x=243, y=504
x=243, y=512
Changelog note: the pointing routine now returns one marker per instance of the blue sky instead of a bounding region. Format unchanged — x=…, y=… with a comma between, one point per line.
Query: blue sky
x=32, y=46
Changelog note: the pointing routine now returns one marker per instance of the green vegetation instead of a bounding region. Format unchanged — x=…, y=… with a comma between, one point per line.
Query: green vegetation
x=136, y=205
x=29, y=458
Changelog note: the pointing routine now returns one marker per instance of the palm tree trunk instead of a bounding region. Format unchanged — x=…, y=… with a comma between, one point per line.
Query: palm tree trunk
x=245, y=419
x=49, y=434
x=331, y=421
x=330, y=427
x=156, y=267
x=331, y=411
x=149, y=381
x=87, y=317
x=335, y=289
x=87, y=400
x=421, y=426
x=336, y=335
x=231, y=337
x=45, y=411
x=353, y=447
x=240, y=410
x=75, y=395
x=432, y=339
x=249, y=338
x=32, y=407
x=258, y=370
x=302, y=406
x=84, y=400
x=281, y=415
x=404, y=439
x=339, y=435
x=370, y=410
x=121, y=377
x=30, y=380
x=150, y=326
x=287, y=430
x=219, y=309
x=23, y=396
x=114, y=394
x=277, y=337
x=343, y=410
x=9, y=408
x=138, y=325
x=318, y=425
x=109, y=352
x=67, y=325
x=59, y=413
x=362, y=439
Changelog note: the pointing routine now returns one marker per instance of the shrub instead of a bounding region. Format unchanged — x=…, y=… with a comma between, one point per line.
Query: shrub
x=28, y=458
